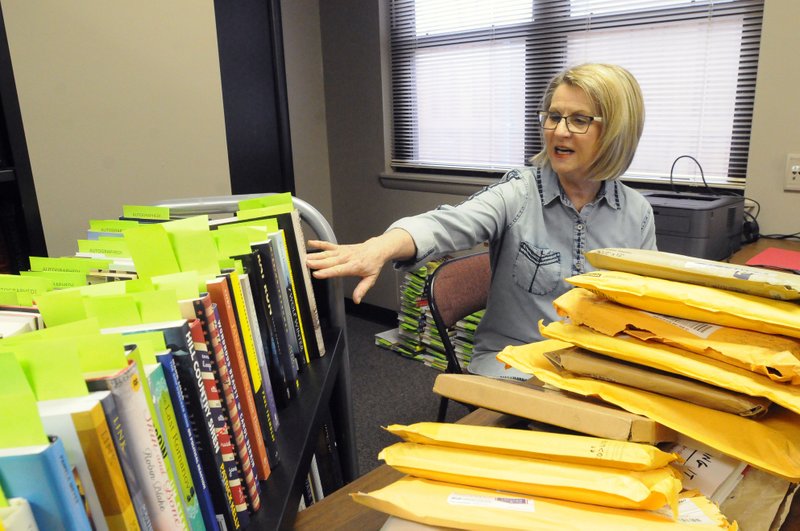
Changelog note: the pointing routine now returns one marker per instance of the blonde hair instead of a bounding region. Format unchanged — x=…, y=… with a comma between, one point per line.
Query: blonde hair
x=618, y=99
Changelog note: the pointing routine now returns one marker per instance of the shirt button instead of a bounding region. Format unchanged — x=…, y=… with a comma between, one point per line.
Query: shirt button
x=580, y=226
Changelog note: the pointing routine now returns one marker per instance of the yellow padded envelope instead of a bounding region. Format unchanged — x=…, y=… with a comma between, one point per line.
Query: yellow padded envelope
x=771, y=443
x=565, y=448
x=609, y=487
x=707, y=305
x=677, y=361
x=775, y=356
x=457, y=506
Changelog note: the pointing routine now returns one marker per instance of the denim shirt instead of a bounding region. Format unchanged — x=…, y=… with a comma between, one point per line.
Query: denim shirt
x=536, y=239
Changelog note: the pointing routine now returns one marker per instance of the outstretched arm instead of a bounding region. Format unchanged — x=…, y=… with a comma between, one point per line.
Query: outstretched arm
x=364, y=260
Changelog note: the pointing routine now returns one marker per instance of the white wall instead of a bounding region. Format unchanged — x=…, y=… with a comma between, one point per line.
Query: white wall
x=776, y=118
x=306, y=92
x=121, y=104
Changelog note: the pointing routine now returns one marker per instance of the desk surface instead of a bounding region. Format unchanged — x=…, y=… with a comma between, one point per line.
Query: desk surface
x=338, y=511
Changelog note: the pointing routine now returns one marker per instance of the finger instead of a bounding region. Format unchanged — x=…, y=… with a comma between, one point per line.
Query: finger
x=363, y=287
x=321, y=244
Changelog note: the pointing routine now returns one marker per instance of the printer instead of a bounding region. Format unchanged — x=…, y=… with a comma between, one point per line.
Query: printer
x=700, y=225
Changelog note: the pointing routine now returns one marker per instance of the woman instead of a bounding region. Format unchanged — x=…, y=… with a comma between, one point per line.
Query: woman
x=538, y=220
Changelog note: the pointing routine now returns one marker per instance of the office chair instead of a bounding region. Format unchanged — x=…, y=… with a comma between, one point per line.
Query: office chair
x=457, y=288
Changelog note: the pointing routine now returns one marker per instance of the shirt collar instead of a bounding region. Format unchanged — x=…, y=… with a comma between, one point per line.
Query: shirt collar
x=550, y=189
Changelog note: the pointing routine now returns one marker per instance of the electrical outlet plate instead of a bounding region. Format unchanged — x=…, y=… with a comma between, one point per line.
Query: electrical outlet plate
x=792, y=173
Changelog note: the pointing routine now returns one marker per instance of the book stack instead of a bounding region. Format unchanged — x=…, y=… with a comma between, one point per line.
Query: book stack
x=416, y=335
x=153, y=399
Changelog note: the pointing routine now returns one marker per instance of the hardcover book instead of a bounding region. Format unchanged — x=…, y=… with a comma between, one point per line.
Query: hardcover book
x=82, y=427
x=42, y=475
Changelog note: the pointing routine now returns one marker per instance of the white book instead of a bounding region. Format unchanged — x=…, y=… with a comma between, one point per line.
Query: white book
x=160, y=495
x=17, y=516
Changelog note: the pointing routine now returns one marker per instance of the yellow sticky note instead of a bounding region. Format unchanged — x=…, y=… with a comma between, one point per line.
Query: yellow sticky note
x=25, y=288
x=113, y=310
x=109, y=248
x=185, y=285
x=67, y=264
x=60, y=279
x=231, y=242
x=155, y=213
x=195, y=251
x=118, y=287
x=19, y=415
x=159, y=305
x=283, y=200
x=53, y=368
x=151, y=250
x=100, y=352
x=9, y=298
x=60, y=307
x=111, y=225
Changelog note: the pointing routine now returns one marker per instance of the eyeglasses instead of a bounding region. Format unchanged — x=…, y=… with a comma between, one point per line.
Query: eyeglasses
x=576, y=123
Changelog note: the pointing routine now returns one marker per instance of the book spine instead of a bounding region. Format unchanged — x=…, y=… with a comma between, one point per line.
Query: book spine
x=291, y=312
x=104, y=468
x=172, y=445
x=247, y=384
x=189, y=445
x=126, y=462
x=189, y=366
x=278, y=378
x=61, y=479
x=308, y=302
x=256, y=366
x=149, y=466
x=328, y=462
x=241, y=436
x=280, y=329
x=221, y=422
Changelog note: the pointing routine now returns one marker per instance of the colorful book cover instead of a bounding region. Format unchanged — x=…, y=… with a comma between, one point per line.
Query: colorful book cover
x=291, y=310
x=189, y=445
x=43, y=476
x=160, y=495
x=246, y=383
x=172, y=445
x=81, y=425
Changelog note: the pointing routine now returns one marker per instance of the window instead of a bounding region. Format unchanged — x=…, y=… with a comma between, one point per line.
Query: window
x=468, y=76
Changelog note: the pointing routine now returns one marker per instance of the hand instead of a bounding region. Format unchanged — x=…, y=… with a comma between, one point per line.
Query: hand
x=364, y=260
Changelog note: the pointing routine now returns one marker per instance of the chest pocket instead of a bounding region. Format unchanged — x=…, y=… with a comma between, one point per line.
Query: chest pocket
x=537, y=270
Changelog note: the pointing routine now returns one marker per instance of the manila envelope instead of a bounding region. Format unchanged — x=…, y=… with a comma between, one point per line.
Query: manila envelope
x=777, y=357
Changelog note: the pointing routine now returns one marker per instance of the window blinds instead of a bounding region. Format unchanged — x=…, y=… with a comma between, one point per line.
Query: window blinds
x=468, y=76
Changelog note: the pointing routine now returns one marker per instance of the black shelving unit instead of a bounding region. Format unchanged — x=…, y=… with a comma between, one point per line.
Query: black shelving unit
x=300, y=423
x=324, y=385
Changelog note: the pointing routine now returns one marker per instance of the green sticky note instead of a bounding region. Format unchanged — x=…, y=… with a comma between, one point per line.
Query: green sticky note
x=61, y=306
x=283, y=200
x=255, y=230
x=263, y=212
x=107, y=247
x=113, y=310
x=19, y=415
x=3, y=500
x=155, y=213
x=111, y=225
x=60, y=280
x=195, y=251
x=68, y=264
x=154, y=340
x=227, y=264
x=118, y=287
x=101, y=352
x=9, y=298
x=185, y=285
x=194, y=223
x=53, y=368
x=156, y=306
x=231, y=242
x=25, y=288
x=151, y=251
x=138, y=285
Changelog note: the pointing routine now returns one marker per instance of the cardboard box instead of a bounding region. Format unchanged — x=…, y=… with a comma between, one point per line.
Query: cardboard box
x=551, y=407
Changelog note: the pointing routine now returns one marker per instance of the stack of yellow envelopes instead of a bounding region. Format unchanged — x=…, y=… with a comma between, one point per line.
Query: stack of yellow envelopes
x=485, y=477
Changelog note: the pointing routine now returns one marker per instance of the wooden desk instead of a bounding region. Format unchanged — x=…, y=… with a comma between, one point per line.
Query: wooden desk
x=338, y=511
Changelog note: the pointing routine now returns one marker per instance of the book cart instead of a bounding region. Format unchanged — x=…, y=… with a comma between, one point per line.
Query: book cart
x=325, y=384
